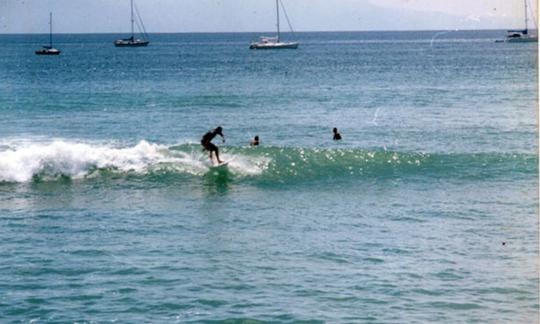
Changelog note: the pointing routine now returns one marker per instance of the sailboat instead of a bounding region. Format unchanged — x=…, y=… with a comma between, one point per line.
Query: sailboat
x=275, y=42
x=521, y=35
x=49, y=50
x=132, y=41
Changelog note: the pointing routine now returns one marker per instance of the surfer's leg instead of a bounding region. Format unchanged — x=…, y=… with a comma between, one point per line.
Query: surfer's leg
x=217, y=155
x=216, y=150
x=213, y=148
x=210, y=148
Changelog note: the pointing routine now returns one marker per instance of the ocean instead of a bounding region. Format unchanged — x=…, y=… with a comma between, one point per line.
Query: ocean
x=426, y=211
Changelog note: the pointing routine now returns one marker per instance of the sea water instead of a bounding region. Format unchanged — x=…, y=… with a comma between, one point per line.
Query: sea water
x=426, y=211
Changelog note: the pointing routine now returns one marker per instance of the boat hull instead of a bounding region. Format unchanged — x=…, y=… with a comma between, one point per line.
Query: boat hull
x=522, y=40
x=45, y=51
x=292, y=45
x=135, y=43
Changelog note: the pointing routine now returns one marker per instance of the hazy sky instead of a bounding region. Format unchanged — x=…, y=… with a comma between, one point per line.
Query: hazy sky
x=102, y=16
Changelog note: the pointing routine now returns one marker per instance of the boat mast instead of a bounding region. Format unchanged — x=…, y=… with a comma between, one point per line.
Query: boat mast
x=277, y=11
x=132, y=35
x=526, y=27
x=50, y=29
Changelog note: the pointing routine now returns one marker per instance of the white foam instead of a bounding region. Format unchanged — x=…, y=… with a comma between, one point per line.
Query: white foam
x=247, y=165
x=20, y=161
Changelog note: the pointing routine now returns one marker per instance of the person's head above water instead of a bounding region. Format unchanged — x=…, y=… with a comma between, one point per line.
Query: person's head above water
x=335, y=130
x=255, y=141
x=218, y=130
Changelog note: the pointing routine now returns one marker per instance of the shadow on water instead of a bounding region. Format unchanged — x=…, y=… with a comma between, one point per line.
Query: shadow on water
x=217, y=182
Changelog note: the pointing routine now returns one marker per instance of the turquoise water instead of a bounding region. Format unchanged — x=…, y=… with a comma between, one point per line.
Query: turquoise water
x=425, y=212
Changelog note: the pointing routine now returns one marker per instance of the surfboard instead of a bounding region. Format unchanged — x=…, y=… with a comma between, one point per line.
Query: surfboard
x=220, y=166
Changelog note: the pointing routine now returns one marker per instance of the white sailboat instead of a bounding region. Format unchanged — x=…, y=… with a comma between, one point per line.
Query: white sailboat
x=521, y=35
x=275, y=42
x=49, y=50
x=132, y=41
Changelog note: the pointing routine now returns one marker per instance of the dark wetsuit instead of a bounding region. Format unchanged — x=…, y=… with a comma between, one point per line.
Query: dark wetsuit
x=337, y=136
x=206, y=141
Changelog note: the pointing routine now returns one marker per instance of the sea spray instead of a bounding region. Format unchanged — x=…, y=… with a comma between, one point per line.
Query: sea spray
x=60, y=158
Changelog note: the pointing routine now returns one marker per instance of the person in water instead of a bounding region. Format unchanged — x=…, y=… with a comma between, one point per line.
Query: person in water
x=255, y=141
x=337, y=135
x=208, y=146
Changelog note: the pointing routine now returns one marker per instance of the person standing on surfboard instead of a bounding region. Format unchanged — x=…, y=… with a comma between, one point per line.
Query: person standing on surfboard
x=208, y=146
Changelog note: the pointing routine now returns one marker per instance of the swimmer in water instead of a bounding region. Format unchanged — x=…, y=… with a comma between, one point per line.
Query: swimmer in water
x=255, y=141
x=337, y=135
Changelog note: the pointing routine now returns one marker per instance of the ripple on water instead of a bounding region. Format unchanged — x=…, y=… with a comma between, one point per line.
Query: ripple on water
x=453, y=305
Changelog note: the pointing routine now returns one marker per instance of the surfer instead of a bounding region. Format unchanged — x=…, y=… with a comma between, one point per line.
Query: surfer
x=255, y=141
x=208, y=146
x=337, y=135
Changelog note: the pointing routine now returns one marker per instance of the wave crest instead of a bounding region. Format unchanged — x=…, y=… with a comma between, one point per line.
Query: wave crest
x=23, y=162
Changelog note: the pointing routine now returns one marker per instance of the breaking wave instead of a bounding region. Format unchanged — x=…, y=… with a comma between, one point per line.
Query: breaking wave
x=31, y=161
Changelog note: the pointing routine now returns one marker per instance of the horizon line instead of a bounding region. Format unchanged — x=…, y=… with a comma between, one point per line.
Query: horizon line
x=269, y=32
